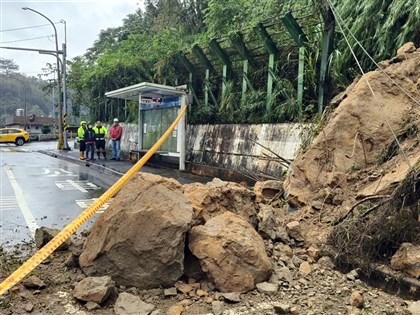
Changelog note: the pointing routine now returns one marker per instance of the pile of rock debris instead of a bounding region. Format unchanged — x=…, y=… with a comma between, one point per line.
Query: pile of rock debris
x=222, y=248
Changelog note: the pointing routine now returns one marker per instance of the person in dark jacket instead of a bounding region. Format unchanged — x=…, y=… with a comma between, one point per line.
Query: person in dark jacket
x=90, y=143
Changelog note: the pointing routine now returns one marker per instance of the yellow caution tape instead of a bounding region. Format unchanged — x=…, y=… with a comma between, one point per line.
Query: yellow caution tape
x=82, y=218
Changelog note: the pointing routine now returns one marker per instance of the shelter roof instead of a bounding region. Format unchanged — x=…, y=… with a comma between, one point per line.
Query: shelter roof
x=146, y=89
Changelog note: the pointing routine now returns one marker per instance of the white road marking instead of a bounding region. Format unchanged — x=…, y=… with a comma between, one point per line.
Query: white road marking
x=67, y=172
x=58, y=172
x=84, y=203
x=81, y=185
x=77, y=185
x=14, y=150
x=8, y=203
x=27, y=214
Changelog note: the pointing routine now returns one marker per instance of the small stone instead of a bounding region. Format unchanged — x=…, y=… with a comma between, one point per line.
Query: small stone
x=71, y=261
x=313, y=253
x=234, y=297
x=267, y=288
x=357, y=300
x=295, y=231
x=186, y=302
x=175, y=310
x=208, y=300
x=280, y=308
x=294, y=311
x=283, y=274
x=129, y=304
x=185, y=288
x=305, y=269
x=406, y=48
x=43, y=235
x=94, y=289
x=29, y=307
x=91, y=306
x=326, y=262
x=317, y=205
x=407, y=259
x=217, y=307
x=170, y=292
x=208, y=286
x=33, y=282
x=414, y=308
x=202, y=293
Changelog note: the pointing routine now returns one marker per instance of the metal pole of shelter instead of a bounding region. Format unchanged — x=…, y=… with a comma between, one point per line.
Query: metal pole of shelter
x=182, y=134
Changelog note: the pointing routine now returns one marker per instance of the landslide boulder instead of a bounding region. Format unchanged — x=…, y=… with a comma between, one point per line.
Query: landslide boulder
x=139, y=241
x=217, y=197
x=231, y=253
x=359, y=136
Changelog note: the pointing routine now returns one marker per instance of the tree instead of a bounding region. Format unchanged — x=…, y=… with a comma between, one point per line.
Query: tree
x=7, y=66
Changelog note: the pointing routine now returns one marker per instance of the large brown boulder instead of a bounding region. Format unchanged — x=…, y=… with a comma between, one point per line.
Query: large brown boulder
x=231, y=253
x=358, y=136
x=217, y=197
x=140, y=239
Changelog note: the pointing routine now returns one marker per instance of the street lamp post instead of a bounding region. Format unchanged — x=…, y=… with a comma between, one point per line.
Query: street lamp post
x=65, y=78
x=61, y=145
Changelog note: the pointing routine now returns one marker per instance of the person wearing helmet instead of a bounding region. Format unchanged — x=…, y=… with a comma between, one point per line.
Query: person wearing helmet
x=81, y=135
x=100, y=134
x=115, y=133
x=90, y=143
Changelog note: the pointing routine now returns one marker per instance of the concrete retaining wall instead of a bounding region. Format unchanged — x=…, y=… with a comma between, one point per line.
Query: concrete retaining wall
x=235, y=147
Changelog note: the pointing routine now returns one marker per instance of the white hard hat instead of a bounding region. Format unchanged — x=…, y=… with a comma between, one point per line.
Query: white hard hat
x=116, y=119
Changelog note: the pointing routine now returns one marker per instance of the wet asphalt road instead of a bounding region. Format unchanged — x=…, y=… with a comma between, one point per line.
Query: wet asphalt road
x=40, y=190
x=42, y=186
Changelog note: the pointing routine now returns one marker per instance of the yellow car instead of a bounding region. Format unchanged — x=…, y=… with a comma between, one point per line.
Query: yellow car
x=13, y=135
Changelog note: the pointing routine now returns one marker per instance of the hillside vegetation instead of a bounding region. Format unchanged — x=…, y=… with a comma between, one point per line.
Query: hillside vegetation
x=16, y=88
x=144, y=49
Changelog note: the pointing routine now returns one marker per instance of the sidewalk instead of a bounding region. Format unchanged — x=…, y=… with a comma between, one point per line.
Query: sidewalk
x=119, y=168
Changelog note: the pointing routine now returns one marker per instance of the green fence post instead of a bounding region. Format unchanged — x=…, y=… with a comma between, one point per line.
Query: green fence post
x=206, y=88
x=244, y=80
x=270, y=81
x=301, y=72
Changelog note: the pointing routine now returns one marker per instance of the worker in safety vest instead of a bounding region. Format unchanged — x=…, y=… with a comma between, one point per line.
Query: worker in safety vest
x=81, y=135
x=100, y=135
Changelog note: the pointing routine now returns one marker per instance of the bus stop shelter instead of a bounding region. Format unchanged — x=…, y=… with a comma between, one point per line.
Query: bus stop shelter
x=158, y=107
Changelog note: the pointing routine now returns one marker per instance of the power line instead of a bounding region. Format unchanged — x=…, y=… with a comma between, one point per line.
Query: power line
x=27, y=39
x=27, y=27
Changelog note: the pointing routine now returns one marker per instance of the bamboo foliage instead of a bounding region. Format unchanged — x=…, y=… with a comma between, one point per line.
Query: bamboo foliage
x=144, y=48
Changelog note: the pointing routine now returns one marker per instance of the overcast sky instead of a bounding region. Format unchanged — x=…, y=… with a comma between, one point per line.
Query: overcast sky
x=84, y=20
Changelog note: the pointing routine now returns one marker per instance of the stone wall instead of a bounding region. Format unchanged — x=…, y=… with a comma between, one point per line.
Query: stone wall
x=244, y=148
x=235, y=147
